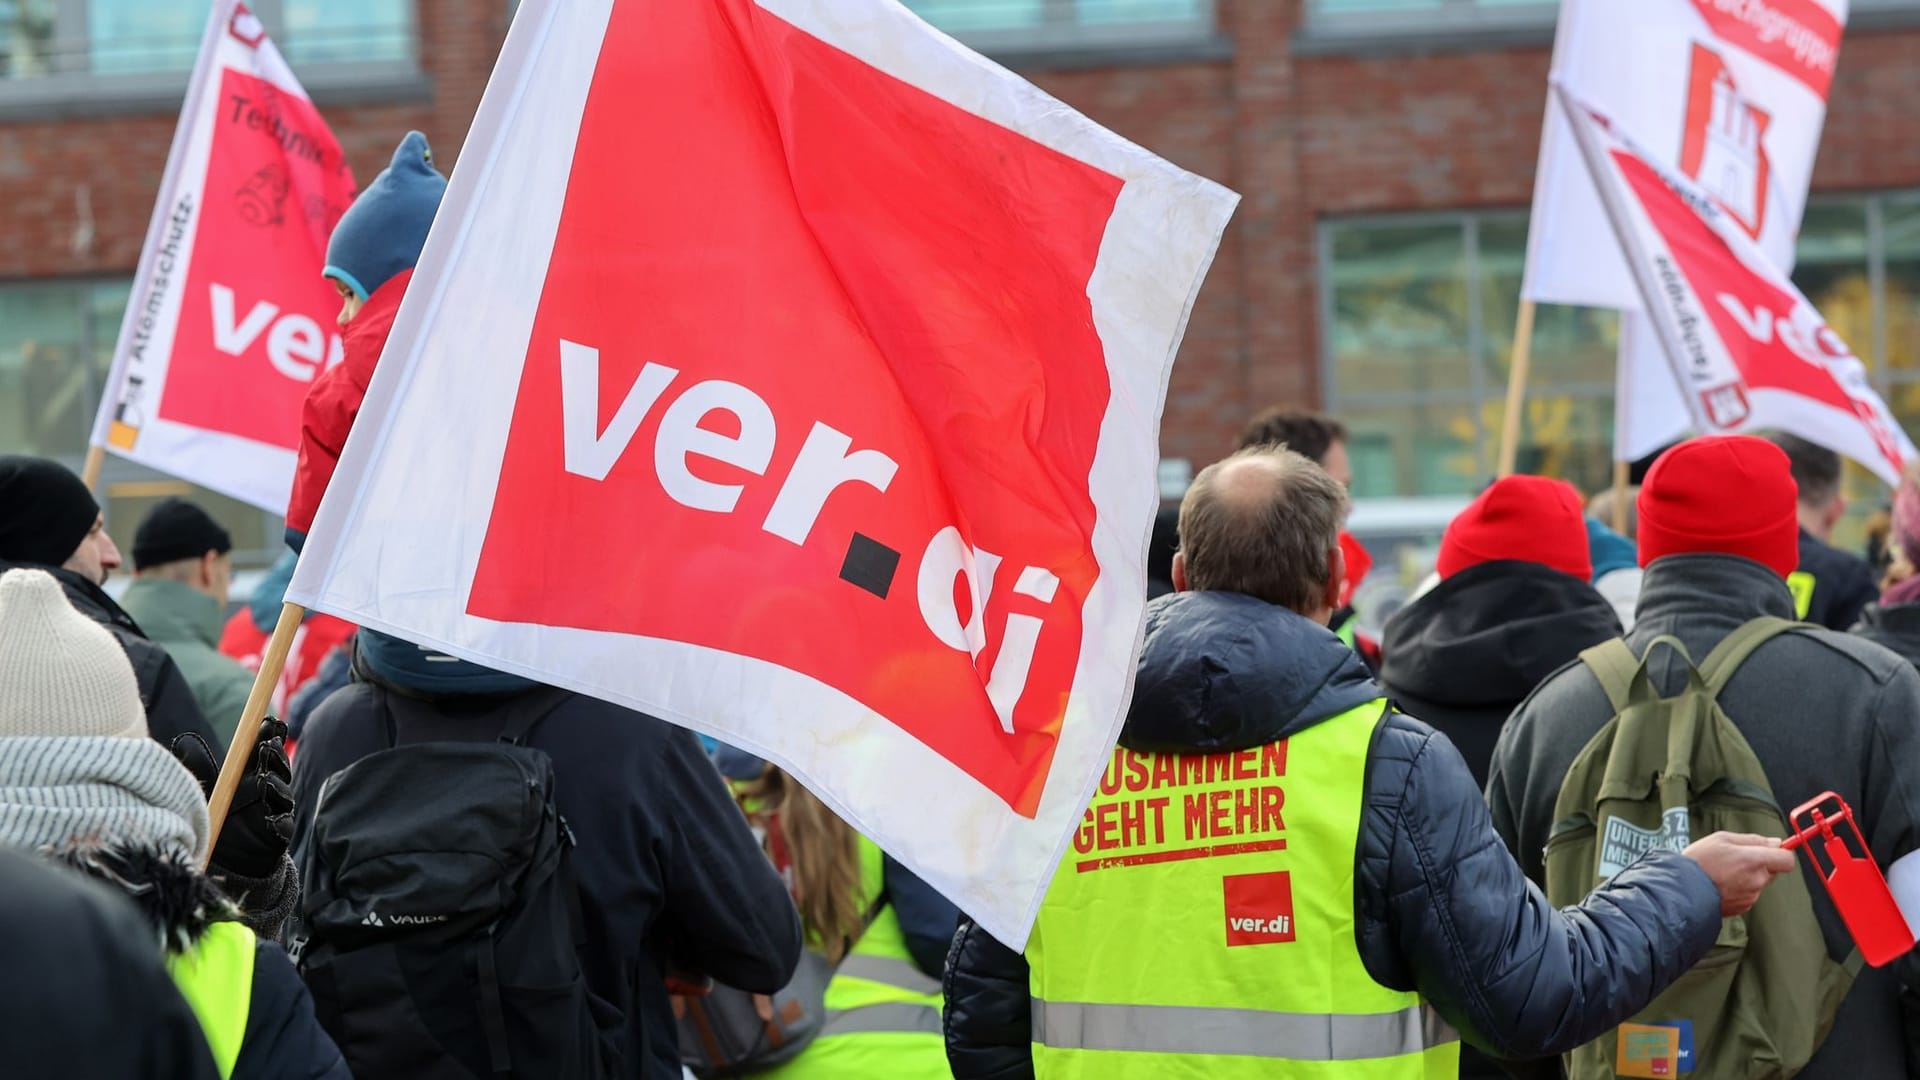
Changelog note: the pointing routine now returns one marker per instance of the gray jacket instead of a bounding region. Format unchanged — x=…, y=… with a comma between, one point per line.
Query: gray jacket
x=1822, y=711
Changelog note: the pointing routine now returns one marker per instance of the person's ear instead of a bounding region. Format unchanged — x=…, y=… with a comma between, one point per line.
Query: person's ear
x=1179, y=571
x=1336, y=576
x=207, y=563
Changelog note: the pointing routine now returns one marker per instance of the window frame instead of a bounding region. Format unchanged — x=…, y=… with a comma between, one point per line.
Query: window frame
x=65, y=90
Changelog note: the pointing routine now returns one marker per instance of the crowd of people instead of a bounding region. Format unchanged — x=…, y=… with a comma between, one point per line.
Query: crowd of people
x=1472, y=864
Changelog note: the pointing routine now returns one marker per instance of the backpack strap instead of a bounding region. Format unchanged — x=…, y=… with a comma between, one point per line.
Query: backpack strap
x=1614, y=665
x=1733, y=650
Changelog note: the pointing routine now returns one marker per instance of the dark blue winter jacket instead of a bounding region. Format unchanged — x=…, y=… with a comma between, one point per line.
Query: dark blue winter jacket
x=1441, y=907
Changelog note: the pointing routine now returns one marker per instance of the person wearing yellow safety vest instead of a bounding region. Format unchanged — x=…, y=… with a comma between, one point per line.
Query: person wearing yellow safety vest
x=1830, y=587
x=81, y=781
x=1281, y=876
x=884, y=930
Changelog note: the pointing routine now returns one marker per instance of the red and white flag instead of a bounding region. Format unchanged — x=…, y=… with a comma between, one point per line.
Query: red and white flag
x=1730, y=93
x=229, y=318
x=784, y=369
x=1747, y=350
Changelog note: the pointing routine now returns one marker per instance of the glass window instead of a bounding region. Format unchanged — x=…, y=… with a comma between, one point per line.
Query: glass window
x=1400, y=307
x=56, y=342
x=128, y=37
x=346, y=31
x=26, y=38
x=1900, y=224
x=1066, y=23
x=149, y=37
x=1353, y=14
x=1419, y=325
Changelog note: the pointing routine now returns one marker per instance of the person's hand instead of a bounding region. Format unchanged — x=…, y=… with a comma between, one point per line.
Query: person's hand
x=1741, y=865
x=259, y=825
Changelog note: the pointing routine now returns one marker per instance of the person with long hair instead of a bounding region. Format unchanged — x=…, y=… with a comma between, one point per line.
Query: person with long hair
x=885, y=931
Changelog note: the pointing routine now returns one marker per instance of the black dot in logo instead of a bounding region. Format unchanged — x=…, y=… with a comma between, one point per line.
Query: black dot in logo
x=870, y=565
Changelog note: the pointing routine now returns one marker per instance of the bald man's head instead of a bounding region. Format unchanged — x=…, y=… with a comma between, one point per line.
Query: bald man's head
x=1264, y=522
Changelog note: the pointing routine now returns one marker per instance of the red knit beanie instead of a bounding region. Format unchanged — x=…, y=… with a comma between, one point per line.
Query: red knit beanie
x=1528, y=518
x=1722, y=495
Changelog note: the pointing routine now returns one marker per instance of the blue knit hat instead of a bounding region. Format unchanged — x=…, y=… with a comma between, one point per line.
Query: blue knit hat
x=382, y=233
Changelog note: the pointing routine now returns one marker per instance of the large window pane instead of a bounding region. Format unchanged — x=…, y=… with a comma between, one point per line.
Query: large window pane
x=1901, y=220
x=26, y=38
x=1832, y=270
x=1399, y=299
x=1094, y=12
x=347, y=31
x=1568, y=436
x=1426, y=448
x=126, y=37
x=965, y=16
x=56, y=341
x=1571, y=345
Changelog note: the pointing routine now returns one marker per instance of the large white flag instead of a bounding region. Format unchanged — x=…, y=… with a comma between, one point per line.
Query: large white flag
x=1747, y=350
x=229, y=319
x=1730, y=93
x=783, y=369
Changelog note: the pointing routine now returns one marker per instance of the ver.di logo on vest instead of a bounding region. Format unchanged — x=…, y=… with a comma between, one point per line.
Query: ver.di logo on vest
x=1259, y=908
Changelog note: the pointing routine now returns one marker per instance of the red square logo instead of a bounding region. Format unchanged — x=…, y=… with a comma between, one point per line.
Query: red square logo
x=1259, y=908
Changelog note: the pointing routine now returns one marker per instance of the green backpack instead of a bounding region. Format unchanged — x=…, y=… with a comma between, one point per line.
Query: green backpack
x=1661, y=773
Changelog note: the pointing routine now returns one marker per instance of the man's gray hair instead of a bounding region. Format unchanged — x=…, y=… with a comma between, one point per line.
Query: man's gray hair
x=1266, y=530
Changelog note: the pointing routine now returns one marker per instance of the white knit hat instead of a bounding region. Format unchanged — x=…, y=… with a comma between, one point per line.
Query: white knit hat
x=60, y=672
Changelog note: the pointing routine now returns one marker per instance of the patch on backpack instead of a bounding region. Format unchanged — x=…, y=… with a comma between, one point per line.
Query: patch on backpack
x=1648, y=1051
x=1624, y=843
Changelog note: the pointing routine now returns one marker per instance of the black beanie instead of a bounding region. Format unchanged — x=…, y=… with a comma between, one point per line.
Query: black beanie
x=45, y=511
x=176, y=529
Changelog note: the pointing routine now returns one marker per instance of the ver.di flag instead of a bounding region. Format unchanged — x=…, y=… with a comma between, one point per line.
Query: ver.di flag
x=785, y=370
x=229, y=319
x=1746, y=349
x=1730, y=93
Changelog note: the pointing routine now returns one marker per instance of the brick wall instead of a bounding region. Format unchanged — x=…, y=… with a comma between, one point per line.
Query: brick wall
x=1299, y=136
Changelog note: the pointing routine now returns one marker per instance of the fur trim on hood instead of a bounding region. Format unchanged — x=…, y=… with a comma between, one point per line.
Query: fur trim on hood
x=177, y=899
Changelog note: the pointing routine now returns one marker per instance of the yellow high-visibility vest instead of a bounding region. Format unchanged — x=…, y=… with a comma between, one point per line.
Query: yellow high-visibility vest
x=883, y=1013
x=1202, y=925
x=216, y=978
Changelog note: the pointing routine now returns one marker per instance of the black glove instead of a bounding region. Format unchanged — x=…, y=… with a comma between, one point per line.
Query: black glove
x=259, y=824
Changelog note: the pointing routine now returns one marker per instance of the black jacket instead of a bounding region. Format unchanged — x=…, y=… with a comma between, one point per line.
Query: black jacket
x=669, y=874
x=1843, y=584
x=1822, y=711
x=282, y=1039
x=86, y=996
x=171, y=708
x=1896, y=628
x=1462, y=656
x=1440, y=906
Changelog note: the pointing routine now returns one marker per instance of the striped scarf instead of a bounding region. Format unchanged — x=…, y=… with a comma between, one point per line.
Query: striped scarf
x=57, y=791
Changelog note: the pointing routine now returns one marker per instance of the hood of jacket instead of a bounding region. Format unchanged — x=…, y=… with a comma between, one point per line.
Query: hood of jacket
x=175, y=898
x=1223, y=671
x=416, y=671
x=1491, y=633
x=171, y=611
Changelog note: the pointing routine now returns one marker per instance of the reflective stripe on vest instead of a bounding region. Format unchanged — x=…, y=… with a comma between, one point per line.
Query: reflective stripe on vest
x=216, y=978
x=889, y=971
x=1203, y=924
x=1177, y=1029
x=888, y=1016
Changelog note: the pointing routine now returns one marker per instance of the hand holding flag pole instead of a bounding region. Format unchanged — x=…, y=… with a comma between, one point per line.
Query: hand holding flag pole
x=247, y=733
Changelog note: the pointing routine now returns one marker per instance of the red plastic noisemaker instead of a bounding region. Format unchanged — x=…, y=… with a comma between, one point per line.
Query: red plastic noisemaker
x=1852, y=878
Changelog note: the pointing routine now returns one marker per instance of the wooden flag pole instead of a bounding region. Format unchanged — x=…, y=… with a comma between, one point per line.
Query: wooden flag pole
x=241, y=750
x=1620, y=496
x=90, y=470
x=1516, y=388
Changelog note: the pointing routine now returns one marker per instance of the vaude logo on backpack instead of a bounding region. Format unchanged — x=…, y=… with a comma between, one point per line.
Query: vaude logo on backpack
x=1663, y=771
x=441, y=921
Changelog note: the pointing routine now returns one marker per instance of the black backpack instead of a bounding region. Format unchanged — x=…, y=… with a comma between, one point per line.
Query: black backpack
x=441, y=922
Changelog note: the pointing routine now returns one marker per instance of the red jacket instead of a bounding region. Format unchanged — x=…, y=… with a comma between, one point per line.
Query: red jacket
x=334, y=400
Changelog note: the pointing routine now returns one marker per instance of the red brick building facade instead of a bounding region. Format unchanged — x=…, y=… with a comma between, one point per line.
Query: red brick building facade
x=1315, y=119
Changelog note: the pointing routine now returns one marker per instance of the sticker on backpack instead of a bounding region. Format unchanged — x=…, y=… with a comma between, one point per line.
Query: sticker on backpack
x=1624, y=842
